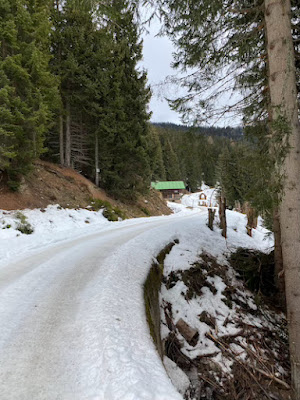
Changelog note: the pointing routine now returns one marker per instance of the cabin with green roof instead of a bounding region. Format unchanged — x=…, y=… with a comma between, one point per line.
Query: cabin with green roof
x=170, y=190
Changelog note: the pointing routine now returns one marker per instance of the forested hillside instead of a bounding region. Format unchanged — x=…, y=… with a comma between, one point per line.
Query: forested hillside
x=185, y=155
x=72, y=93
x=229, y=132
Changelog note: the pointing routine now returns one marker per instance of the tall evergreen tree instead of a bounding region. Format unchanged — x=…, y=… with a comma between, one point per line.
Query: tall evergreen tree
x=28, y=90
x=156, y=156
x=129, y=169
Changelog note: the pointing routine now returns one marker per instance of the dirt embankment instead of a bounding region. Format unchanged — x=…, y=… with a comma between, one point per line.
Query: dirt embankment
x=52, y=184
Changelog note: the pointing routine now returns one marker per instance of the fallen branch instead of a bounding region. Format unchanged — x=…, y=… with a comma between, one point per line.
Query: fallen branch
x=273, y=377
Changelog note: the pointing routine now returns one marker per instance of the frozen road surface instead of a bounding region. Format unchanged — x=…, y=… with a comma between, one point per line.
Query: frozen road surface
x=72, y=317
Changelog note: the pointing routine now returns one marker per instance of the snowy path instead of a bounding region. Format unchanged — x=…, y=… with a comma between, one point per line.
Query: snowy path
x=72, y=319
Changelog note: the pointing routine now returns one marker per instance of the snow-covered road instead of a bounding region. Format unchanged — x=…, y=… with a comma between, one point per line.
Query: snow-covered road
x=72, y=319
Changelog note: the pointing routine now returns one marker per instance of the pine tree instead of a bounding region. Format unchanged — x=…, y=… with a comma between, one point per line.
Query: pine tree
x=72, y=47
x=28, y=89
x=129, y=167
x=156, y=156
x=171, y=162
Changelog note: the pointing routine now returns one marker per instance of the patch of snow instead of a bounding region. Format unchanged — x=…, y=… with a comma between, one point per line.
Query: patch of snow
x=177, y=376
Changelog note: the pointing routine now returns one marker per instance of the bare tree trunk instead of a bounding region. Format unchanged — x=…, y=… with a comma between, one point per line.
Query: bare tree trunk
x=61, y=140
x=251, y=219
x=96, y=160
x=222, y=215
x=284, y=109
x=279, y=271
x=211, y=217
x=68, y=135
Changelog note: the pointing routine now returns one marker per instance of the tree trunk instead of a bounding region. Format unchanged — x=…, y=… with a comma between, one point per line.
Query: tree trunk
x=61, y=140
x=211, y=217
x=68, y=135
x=222, y=215
x=96, y=160
x=279, y=271
x=284, y=109
x=251, y=219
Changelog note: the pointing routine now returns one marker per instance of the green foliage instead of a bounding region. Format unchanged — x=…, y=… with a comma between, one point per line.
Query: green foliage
x=24, y=226
x=8, y=226
x=222, y=42
x=28, y=91
x=146, y=211
x=189, y=156
x=14, y=186
x=96, y=53
x=246, y=174
x=109, y=212
x=256, y=269
x=20, y=216
x=155, y=153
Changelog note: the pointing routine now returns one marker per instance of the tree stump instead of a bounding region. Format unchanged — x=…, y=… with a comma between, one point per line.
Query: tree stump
x=191, y=335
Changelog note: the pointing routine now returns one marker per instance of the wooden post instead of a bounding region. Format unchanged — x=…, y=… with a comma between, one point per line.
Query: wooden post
x=222, y=215
x=211, y=217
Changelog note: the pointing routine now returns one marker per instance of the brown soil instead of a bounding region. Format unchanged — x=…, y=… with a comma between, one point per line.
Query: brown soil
x=52, y=184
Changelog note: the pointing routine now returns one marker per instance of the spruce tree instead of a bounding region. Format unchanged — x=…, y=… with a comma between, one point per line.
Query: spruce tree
x=28, y=91
x=156, y=156
x=128, y=169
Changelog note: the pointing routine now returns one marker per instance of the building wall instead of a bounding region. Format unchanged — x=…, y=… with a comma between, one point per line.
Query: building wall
x=172, y=194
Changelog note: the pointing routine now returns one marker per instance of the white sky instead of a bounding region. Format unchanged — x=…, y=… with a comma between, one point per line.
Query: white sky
x=157, y=61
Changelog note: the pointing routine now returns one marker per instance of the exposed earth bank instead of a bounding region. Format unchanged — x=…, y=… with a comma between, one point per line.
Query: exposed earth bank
x=52, y=184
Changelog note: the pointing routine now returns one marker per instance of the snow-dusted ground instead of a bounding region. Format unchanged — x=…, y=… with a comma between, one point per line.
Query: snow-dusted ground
x=225, y=319
x=73, y=324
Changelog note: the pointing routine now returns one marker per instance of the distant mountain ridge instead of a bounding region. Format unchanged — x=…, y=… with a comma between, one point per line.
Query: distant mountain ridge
x=226, y=132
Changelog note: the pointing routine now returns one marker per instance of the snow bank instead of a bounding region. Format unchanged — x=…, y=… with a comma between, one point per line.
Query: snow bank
x=196, y=240
x=49, y=225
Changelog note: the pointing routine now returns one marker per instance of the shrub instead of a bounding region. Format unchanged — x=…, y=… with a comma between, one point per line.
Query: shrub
x=109, y=212
x=24, y=226
x=146, y=211
x=14, y=186
x=21, y=217
x=256, y=269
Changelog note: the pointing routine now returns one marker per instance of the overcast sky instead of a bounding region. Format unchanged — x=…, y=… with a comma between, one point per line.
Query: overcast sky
x=157, y=61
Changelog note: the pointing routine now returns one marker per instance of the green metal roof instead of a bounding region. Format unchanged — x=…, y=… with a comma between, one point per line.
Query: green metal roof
x=168, y=185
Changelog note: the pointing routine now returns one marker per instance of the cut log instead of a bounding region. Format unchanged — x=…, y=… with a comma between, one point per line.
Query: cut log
x=191, y=335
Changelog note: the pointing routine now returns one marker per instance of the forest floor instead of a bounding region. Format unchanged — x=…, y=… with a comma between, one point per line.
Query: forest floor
x=224, y=331
x=52, y=184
